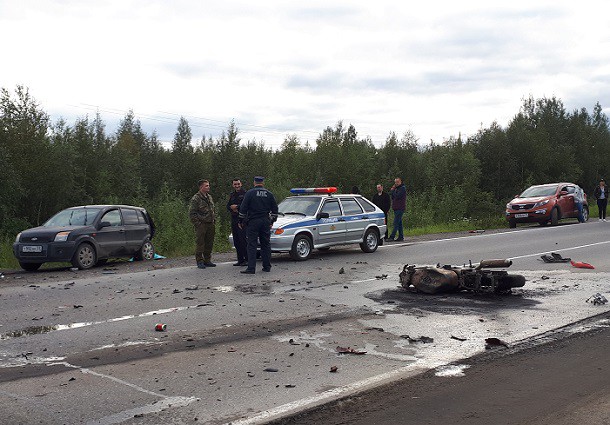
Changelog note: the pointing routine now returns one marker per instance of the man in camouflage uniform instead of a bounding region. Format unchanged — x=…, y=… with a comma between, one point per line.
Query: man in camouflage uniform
x=203, y=216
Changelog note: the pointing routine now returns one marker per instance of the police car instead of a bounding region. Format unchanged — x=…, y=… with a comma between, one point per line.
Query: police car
x=317, y=218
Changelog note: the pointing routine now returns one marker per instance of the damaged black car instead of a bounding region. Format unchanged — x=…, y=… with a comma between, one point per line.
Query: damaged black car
x=87, y=236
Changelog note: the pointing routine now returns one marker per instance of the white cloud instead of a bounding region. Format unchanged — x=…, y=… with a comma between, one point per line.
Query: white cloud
x=439, y=68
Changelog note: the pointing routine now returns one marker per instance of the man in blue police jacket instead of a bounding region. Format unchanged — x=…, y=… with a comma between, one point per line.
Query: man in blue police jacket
x=259, y=210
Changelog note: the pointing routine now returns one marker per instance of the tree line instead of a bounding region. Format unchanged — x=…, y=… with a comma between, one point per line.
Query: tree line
x=47, y=166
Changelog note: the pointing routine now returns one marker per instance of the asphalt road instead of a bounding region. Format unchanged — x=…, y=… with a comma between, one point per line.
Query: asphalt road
x=81, y=347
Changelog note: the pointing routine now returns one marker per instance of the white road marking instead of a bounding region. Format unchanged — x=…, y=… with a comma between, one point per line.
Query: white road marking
x=158, y=406
x=562, y=249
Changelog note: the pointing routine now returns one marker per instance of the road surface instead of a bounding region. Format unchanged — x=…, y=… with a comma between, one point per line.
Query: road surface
x=80, y=347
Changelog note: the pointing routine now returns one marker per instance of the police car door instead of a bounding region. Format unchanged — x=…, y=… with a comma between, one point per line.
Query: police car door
x=354, y=219
x=331, y=230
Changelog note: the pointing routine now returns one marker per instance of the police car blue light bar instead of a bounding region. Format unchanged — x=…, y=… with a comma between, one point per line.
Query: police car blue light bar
x=300, y=190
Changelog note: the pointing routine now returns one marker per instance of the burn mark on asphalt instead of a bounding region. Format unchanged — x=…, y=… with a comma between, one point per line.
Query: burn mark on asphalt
x=456, y=303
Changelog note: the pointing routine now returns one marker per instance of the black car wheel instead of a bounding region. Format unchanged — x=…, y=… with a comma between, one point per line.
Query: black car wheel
x=301, y=248
x=371, y=241
x=30, y=267
x=512, y=223
x=146, y=252
x=84, y=257
x=585, y=214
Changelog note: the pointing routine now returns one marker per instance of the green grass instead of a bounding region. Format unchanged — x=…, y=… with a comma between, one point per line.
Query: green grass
x=454, y=226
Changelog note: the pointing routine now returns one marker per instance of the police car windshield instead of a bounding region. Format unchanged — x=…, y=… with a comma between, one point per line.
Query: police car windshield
x=301, y=205
x=73, y=217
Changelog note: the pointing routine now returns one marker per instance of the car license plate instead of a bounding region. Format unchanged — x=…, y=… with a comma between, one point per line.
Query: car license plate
x=31, y=248
x=521, y=215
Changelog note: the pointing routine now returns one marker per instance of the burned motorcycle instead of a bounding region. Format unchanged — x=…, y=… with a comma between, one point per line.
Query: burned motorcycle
x=448, y=278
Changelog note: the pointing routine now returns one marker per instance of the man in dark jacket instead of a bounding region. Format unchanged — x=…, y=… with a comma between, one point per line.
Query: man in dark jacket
x=399, y=204
x=202, y=214
x=382, y=200
x=601, y=194
x=259, y=208
x=239, y=234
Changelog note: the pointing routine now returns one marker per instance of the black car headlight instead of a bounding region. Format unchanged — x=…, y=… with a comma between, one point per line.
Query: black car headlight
x=61, y=237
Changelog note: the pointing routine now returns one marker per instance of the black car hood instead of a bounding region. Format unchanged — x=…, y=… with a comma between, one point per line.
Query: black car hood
x=47, y=234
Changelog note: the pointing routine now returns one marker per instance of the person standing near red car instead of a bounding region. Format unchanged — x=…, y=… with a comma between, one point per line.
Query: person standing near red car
x=601, y=194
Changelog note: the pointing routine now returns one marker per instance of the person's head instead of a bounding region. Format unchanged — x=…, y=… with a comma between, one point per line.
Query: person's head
x=204, y=186
x=355, y=190
x=236, y=184
x=602, y=182
x=379, y=188
x=397, y=181
x=259, y=181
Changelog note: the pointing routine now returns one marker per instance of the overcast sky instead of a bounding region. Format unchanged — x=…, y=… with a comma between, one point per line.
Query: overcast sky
x=295, y=67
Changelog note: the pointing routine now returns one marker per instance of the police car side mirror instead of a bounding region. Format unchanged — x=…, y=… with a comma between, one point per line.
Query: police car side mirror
x=104, y=224
x=322, y=215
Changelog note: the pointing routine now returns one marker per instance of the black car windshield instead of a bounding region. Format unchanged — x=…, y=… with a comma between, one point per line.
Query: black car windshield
x=536, y=191
x=299, y=205
x=73, y=217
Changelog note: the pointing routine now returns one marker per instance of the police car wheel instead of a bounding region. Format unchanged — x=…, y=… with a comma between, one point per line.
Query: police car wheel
x=371, y=241
x=301, y=248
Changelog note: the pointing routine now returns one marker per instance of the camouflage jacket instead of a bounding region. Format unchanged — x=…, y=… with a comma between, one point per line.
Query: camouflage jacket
x=201, y=209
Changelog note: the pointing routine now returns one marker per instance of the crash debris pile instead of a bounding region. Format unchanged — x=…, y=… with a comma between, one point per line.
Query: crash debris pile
x=448, y=278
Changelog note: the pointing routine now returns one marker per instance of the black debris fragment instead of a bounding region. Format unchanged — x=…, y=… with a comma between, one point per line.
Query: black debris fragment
x=334, y=369
x=494, y=342
x=270, y=369
x=381, y=277
x=554, y=258
x=597, y=299
x=341, y=270
x=458, y=338
x=422, y=339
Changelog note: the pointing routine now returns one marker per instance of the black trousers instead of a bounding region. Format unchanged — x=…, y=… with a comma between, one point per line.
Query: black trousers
x=259, y=229
x=239, y=240
x=602, y=204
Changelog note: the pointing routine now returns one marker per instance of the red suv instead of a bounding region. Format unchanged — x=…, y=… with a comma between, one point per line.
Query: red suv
x=545, y=203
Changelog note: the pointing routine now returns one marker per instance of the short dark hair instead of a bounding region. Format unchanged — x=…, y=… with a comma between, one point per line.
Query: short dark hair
x=236, y=179
x=202, y=181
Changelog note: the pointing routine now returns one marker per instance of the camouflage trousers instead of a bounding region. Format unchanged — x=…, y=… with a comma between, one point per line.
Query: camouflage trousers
x=204, y=233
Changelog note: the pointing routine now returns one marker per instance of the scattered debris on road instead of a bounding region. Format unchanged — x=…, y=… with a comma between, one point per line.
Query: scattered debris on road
x=476, y=231
x=597, y=299
x=349, y=350
x=581, y=265
x=341, y=270
x=270, y=369
x=448, y=278
x=458, y=338
x=544, y=277
x=422, y=339
x=494, y=342
x=554, y=258
x=334, y=369
x=381, y=277
x=160, y=327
